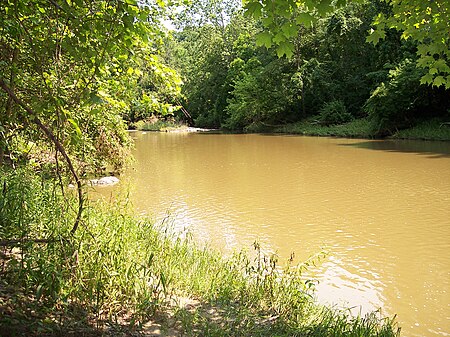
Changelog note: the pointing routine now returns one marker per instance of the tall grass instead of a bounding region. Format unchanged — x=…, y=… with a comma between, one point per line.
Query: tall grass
x=358, y=128
x=119, y=270
x=434, y=129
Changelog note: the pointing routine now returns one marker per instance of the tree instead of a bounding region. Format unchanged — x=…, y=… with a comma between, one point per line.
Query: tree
x=63, y=66
x=211, y=36
x=425, y=22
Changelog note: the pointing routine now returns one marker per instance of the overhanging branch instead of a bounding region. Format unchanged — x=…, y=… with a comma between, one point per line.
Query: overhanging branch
x=58, y=146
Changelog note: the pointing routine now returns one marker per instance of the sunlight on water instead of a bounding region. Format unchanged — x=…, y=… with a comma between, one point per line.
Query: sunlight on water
x=381, y=209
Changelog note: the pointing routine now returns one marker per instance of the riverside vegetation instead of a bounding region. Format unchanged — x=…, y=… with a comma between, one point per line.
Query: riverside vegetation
x=75, y=74
x=119, y=274
x=335, y=82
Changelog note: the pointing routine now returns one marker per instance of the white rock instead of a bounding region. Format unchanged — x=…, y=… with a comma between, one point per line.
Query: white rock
x=108, y=180
x=104, y=181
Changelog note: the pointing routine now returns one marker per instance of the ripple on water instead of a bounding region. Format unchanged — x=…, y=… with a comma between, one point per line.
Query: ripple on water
x=383, y=215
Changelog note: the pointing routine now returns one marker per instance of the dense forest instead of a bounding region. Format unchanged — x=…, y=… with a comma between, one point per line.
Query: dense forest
x=75, y=74
x=332, y=73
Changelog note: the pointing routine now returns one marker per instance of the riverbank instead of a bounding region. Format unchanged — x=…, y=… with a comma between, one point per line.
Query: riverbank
x=363, y=128
x=434, y=129
x=120, y=274
x=166, y=126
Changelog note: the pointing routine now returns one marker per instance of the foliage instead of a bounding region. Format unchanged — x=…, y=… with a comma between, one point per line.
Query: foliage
x=390, y=105
x=203, y=55
x=68, y=72
x=358, y=128
x=284, y=19
x=156, y=91
x=261, y=94
x=242, y=86
x=434, y=129
x=156, y=125
x=334, y=112
x=216, y=13
x=76, y=66
x=425, y=22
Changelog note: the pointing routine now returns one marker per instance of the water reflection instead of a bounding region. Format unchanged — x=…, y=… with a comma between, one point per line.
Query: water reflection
x=428, y=149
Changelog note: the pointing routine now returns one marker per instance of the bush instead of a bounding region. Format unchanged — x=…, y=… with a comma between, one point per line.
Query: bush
x=393, y=104
x=334, y=112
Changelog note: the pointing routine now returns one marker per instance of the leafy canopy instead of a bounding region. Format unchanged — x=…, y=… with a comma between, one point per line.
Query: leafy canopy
x=76, y=64
x=425, y=22
x=67, y=73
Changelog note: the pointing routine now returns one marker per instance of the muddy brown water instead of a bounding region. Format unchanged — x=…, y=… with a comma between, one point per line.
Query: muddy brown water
x=381, y=209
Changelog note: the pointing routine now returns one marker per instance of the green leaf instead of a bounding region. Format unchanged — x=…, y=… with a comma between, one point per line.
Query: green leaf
x=39, y=292
x=425, y=61
x=75, y=126
x=442, y=66
x=324, y=7
x=264, y=39
x=438, y=81
x=426, y=79
x=163, y=282
x=267, y=21
x=422, y=49
x=305, y=19
x=289, y=30
x=279, y=38
x=285, y=48
x=375, y=36
x=436, y=48
x=254, y=9
x=310, y=4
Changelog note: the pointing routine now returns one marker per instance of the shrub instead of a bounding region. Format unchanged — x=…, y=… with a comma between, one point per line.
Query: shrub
x=334, y=112
x=394, y=103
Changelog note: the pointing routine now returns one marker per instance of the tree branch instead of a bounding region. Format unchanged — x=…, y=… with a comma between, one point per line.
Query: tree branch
x=58, y=146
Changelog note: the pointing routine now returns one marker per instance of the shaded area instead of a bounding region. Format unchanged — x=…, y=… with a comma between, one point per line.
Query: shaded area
x=21, y=314
x=433, y=149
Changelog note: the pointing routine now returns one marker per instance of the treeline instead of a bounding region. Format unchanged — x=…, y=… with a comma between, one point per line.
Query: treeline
x=333, y=77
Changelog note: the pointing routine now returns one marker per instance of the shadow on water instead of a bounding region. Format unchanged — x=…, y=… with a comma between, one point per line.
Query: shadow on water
x=430, y=149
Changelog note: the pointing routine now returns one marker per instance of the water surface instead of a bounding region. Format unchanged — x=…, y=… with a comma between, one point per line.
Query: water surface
x=381, y=209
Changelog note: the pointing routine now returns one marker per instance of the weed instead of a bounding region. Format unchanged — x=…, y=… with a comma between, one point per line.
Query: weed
x=430, y=130
x=358, y=128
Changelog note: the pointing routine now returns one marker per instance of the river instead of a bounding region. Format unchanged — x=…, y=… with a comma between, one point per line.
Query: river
x=380, y=208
